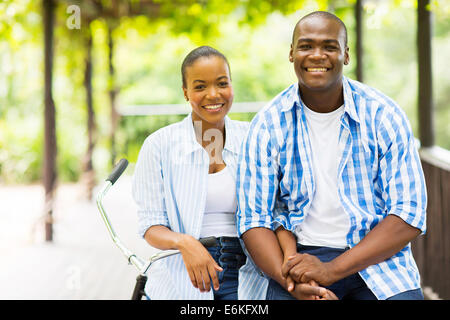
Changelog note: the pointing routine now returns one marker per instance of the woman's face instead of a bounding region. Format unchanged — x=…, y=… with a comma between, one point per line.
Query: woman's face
x=209, y=91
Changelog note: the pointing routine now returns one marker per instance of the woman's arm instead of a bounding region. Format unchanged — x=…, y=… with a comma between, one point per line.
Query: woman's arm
x=200, y=266
x=288, y=245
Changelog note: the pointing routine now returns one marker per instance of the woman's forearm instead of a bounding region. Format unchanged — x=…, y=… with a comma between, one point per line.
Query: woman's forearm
x=163, y=238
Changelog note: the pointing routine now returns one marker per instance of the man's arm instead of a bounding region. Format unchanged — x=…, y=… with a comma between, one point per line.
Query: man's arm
x=386, y=239
x=263, y=246
x=256, y=186
x=401, y=180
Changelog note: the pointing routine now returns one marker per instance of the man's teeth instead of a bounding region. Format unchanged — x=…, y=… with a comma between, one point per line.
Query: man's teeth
x=316, y=69
x=213, y=106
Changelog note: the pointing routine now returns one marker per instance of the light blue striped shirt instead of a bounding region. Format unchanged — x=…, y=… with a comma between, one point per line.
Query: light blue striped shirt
x=379, y=174
x=170, y=187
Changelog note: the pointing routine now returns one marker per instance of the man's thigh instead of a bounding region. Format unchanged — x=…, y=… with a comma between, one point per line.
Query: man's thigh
x=415, y=294
x=276, y=292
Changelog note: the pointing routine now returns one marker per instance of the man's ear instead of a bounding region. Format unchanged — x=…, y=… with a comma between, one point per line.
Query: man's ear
x=185, y=93
x=291, y=58
x=346, y=56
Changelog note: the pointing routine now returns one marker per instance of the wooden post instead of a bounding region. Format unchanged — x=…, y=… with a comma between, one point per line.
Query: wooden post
x=359, y=40
x=49, y=168
x=425, y=87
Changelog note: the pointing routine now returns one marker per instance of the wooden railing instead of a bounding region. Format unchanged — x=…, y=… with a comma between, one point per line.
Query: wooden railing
x=432, y=250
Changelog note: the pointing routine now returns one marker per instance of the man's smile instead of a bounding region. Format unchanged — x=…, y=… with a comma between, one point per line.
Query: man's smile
x=317, y=69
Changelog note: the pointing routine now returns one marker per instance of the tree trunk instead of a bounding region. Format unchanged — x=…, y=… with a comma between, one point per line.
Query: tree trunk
x=425, y=87
x=49, y=168
x=359, y=40
x=112, y=96
x=89, y=174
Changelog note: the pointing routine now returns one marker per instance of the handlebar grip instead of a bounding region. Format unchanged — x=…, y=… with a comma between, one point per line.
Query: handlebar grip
x=118, y=170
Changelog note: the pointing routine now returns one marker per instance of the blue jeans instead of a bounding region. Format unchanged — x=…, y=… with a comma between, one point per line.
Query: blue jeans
x=229, y=255
x=352, y=287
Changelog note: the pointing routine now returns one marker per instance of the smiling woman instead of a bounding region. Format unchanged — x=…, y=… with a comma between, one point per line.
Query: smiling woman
x=207, y=87
x=184, y=187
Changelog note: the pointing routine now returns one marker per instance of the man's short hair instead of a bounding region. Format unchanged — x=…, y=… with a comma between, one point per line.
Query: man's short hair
x=326, y=15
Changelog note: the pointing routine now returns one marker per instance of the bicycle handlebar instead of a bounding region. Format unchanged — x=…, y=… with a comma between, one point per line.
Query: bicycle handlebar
x=117, y=171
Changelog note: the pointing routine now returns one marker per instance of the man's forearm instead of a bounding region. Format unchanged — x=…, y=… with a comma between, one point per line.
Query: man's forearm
x=263, y=246
x=386, y=239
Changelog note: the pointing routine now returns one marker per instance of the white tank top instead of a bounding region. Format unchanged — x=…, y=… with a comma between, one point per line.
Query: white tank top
x=219, y=218
x=326, y=223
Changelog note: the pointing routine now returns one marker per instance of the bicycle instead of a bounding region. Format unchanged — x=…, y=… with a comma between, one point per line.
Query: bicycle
x=141, y=265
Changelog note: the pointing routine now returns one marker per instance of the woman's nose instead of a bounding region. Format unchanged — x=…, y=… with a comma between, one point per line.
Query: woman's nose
x=212, y=92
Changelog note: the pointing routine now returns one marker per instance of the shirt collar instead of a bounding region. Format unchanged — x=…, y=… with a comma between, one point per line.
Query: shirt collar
x=349, y=102
x=291, y=98
x=190, y=141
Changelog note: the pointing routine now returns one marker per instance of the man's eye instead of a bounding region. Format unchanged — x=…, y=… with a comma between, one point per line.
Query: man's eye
x=304, y=47
x=199, y=87
x=223, y=84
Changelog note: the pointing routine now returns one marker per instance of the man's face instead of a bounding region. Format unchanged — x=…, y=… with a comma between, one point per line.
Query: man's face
x=318, y=52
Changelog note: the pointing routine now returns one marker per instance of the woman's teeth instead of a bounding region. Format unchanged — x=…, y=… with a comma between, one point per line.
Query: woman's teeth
x=213, y=106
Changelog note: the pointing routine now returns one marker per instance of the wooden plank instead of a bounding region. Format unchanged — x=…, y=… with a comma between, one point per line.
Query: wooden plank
x=445, y=206
x=435, y=248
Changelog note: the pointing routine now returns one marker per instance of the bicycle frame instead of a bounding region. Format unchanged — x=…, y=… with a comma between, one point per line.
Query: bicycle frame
x=141, y=265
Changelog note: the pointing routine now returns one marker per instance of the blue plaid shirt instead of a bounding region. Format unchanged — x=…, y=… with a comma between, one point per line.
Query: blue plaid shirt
x=379, y=174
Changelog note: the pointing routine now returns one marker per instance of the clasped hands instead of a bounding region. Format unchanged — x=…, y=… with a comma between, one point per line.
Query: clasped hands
x=304, y=273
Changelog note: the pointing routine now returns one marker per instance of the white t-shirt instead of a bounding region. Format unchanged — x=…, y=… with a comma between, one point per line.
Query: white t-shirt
x=326, y=223
x=220, y=209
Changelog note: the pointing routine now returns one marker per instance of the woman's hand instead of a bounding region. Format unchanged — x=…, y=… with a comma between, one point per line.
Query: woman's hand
x=201, y=267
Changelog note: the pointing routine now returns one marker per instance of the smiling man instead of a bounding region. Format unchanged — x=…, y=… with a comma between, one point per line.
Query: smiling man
x=330, y=186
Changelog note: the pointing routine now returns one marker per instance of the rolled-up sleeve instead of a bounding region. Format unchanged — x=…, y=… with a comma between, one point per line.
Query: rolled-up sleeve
x=148, y=186
x=400, y=171
x=257, y=179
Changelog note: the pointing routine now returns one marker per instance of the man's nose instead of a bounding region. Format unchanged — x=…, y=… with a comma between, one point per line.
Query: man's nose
x=318, y=54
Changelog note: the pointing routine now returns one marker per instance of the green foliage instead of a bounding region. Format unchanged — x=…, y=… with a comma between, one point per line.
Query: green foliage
x=255, y=36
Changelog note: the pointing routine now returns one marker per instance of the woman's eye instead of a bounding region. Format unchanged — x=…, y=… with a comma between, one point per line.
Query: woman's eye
x=223, y=84
x=199, y=87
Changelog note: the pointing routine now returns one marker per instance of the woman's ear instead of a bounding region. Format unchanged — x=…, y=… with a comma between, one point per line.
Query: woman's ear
x=185, y=93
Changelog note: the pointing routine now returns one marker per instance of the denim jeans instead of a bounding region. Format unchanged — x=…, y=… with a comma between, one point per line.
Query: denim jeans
x=229, y=255
x=352, y=287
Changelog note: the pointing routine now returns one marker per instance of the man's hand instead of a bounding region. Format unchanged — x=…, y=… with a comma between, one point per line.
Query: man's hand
x=303, y=268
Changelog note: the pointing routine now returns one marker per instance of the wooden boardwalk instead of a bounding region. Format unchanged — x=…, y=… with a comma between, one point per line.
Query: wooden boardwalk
x=82, y=262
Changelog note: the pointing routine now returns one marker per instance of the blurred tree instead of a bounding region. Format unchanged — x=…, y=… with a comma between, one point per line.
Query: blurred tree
x=50, y=173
